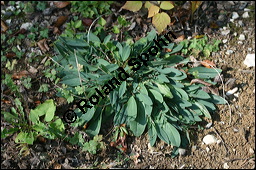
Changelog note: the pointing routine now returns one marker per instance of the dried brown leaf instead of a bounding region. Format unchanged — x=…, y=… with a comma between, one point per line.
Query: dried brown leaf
x=208, y=63
x=180, y=38
x=60, y=21
x=62, y=4
x=21, y=74
x=42, y=45
x=10, y=55
x=4, y=26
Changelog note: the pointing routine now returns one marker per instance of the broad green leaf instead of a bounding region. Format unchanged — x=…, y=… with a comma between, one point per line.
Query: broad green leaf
x=93, y=37
x=133, y=6
x=143, y=89
x=160, y=21
x=152, y=134
x=164, y=89
x=166, y=5
x=78, y=24
x=204, y=110
x=47, y=108
x=122, y=89
x=203, y=72
x=217, y=99
x=95, y=123
x=153, y=10
x=126, y=53
x=147, y=4
x=157, y=95
x=102, y=21
x=138, y=125
x=177, y=49
x=132, y=108
x=200, y=94
x=173, y=134
x=144, y=98
x=107, y=38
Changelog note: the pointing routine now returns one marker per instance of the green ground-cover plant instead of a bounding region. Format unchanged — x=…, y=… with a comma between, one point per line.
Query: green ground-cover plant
x=90, y=9
x=41, y=121
x=200, y=47
x=157, y=98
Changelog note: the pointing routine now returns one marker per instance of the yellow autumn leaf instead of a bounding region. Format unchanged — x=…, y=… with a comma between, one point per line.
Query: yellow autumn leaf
x=133, y=6
x=153, y=10
x=147, y=4
x=160, y=21
x=195, y=5
x=166, y=5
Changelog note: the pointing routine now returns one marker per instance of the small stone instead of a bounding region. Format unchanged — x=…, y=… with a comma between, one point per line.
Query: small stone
x=209, y=139
x=219, y=141
x=10, y=8
x=228, y=52
x=251, y=150
x=236, y=94
x=239, y=42
x=240, y=23
x=26, y=25
x=208, y=125
x=221, y=17
x=207, y=149
x=231, y=2
x=235, y=34
x=250, y=49
x=182, y=151
x=47, y=11
x=225, y=32
x=230, y=92
x=225, y=165
x=250, y=60
x=235, y=130
x=247, y=9
x=241, y=37
x=235, y=15
x=224, y=41
x=193, y=148
x=245, y=15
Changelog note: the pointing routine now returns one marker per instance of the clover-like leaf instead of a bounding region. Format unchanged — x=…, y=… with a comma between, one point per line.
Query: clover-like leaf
x=160, y=21
x=166, y=5
x=133, y=6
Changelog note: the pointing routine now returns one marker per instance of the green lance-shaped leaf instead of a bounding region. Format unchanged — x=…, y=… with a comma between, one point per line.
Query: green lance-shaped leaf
x=132, y=108
x=165, y=90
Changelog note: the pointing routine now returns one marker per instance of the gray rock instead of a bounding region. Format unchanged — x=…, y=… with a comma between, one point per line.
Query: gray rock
x=221, y=17
x=245, y=15
x=209, y=139
x=225, y=32
x=47, y=11
x=235, y=15
x=26, y=25
x=241, y=37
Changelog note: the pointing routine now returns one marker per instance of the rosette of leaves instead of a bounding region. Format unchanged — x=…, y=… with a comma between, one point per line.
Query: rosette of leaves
x=156, y=98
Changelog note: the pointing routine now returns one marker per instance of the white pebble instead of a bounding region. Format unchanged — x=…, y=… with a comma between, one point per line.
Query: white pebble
x=250, y=49
x=228, y=52
x=11, y=8
x=236, y=94
x=230, y=92
x=245, y=15
x=208, y=125
x=181, y=151
x=240, y=23
x=235, y=15
x=225, y=32
x=247, y=9
x=207, y=149
x=235, y=34
x=251, y=150
x=224, y=41
x=250, y=60
x=209, y=139
x=219, y=141
x=241, y=37
x=26, y=25
x=239, y=42
x=225, y=165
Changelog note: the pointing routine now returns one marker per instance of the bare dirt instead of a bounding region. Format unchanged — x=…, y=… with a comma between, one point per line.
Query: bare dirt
x=235, y=131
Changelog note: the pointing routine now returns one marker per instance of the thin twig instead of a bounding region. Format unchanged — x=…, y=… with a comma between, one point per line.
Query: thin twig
x=221, y=140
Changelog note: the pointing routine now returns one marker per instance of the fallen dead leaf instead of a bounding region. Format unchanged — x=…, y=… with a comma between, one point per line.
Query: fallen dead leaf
x=21, y=74
x=4, y=26
x=56, y=166
x=62, y=4
x=43, y=45
x=10, y=55
x=87, y=21
x=179, y=39
x=208, y=63
x=60, y=21
x=21, y=31
x=6, y=101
